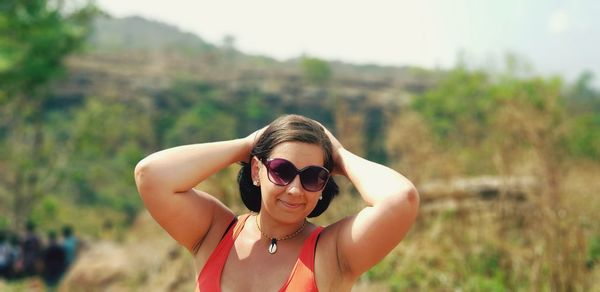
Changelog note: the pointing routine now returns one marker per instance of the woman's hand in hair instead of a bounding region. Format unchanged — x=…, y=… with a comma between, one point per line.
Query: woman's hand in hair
x=252, y=138
x=337, y=148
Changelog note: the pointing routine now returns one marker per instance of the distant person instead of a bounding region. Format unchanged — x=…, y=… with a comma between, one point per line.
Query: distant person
x=17, y=256
x=54, y=262
x=31, y=250
x=70, y=244
x=6, y=255
x=285, y=178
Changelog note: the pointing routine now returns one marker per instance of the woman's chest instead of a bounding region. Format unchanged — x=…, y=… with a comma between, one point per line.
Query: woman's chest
x=256, y=271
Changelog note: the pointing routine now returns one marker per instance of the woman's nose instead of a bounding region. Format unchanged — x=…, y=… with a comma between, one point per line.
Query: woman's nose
x=295, y=187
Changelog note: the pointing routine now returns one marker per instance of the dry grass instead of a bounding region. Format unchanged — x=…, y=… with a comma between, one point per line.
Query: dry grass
x=493, y=250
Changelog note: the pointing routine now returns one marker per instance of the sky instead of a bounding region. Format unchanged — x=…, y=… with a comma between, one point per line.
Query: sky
x=554, y=37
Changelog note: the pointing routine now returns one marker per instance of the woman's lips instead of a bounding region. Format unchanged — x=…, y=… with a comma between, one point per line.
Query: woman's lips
x=291, y=205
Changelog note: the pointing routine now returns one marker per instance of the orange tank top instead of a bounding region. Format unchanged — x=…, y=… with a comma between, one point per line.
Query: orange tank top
x=302, y=277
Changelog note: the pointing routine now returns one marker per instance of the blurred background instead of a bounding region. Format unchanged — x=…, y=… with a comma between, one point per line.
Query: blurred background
x=491, y=109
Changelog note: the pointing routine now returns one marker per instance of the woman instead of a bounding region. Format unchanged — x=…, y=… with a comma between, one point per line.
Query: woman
x=285, y=178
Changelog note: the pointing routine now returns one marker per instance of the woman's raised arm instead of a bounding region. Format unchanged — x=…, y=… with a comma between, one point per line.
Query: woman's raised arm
x=393, y=201
x=165, y=181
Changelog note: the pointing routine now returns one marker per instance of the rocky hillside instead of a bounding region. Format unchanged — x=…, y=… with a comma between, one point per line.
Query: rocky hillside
x=135, y=33
x=148, y=260
x=132, y=56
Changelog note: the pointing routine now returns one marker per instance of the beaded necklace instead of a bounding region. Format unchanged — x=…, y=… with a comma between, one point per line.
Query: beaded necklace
x=273, y=246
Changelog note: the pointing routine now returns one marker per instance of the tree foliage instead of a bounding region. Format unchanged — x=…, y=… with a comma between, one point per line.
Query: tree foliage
x=316, y=71
x=583, y=101
x=463, y=101
x=35, y=38
x=475, y=109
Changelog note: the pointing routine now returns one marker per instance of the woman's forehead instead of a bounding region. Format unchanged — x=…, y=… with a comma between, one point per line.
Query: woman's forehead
x=301, y=154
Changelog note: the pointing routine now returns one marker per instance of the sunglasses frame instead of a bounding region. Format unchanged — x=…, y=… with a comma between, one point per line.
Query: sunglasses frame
x=267, y=163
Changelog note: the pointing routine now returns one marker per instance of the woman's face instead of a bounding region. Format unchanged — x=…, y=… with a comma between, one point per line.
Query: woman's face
x=291, y=202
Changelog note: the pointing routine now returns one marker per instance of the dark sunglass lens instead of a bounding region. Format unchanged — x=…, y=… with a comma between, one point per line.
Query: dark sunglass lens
x=314, y=178
x=282, y=171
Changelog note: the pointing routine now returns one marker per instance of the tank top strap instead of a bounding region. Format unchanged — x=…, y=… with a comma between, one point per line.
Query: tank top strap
x=307, y=255
x=302, y=277
x=209, y=279
x=240, y=225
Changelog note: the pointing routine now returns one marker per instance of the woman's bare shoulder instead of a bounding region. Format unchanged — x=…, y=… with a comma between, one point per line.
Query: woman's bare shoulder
x=328, y=267
x=222, y=219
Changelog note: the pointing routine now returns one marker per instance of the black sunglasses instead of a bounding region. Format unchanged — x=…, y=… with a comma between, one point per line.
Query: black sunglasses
x=282, y=172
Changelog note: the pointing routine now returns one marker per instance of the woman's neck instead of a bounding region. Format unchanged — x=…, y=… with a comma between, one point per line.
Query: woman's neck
x=271, y=228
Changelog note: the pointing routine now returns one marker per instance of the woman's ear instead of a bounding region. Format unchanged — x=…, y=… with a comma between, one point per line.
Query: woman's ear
x=254, y=170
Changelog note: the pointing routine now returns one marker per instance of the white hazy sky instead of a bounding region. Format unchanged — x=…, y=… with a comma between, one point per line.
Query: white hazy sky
x=555, y=37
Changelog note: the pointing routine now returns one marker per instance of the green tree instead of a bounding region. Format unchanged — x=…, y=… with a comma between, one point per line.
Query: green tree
x=582, y=97
x=207, y=121
x=316, y=71
x=107, y=140
x=35, y=38
x=458, y=107
x=583, y=102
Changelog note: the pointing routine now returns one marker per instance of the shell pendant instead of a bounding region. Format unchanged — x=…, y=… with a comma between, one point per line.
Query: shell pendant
x=273, y=246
